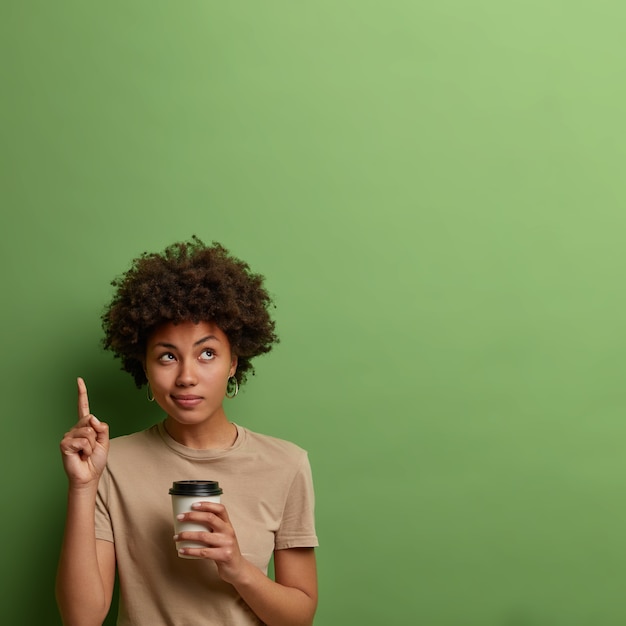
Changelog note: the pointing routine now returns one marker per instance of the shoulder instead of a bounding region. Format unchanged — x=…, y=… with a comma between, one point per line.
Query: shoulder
x=278, y=448
x=135, y=442
x=138, y=438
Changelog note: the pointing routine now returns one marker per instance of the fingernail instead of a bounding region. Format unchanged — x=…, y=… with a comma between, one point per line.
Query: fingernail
x=95, y=419
x=180, y=516
x=175, y=537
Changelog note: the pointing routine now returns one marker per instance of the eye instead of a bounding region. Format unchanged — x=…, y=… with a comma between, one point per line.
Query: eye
x=207, y=354
x=167, y=357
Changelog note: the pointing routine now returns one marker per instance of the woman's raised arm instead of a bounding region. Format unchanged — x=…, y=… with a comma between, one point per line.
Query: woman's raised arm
x=86, y=572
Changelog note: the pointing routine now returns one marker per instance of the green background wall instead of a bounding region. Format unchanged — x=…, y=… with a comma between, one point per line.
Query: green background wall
x=435, y=192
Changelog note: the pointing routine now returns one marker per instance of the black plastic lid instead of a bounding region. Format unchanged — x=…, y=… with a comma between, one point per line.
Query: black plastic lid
x=195, y=488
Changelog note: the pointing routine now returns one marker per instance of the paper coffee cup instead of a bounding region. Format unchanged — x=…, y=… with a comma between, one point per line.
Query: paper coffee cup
x=184, y=494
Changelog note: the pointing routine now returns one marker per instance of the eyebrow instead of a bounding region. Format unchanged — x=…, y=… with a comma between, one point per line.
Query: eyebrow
x=164, y=344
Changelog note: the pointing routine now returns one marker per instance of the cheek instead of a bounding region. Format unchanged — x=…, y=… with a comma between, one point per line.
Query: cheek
x=216, y=377
x=156, y=375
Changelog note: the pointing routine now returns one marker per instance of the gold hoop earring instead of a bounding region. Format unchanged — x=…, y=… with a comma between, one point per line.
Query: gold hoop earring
x=232, y=388
x=148, y=391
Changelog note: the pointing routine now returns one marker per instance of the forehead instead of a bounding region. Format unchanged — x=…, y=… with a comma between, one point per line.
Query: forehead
x=187, y=333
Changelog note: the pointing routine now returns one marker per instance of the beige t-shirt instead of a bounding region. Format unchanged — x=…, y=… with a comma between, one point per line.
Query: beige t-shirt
x=268, y=493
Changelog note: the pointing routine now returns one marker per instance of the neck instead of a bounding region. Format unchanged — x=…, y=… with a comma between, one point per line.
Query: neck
x=202, y=436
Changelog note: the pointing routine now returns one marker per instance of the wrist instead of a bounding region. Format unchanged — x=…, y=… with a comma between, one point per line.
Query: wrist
x=243, y=575
x=83, y=490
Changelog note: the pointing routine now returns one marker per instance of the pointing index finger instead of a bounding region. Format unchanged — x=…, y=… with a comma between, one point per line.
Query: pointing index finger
x=83, y=399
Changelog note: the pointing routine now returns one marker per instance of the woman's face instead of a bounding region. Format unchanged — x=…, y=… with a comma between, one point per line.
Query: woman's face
x=188, y=366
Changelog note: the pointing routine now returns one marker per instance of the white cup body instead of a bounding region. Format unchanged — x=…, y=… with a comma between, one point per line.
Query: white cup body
x=182, y=504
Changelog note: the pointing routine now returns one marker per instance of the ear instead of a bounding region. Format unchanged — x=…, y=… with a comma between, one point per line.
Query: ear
x=233, y=365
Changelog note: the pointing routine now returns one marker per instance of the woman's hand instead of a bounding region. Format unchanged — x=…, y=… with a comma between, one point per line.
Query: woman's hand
x=219, y=538
x=290, y=600
x=85, y=447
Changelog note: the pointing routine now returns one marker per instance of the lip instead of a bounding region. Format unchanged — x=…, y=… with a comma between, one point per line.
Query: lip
x=187, y=401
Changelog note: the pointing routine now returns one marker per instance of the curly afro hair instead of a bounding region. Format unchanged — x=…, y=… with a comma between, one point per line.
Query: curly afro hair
x=188, y=281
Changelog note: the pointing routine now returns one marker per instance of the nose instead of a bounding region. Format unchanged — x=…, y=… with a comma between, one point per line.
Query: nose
x=186, y=375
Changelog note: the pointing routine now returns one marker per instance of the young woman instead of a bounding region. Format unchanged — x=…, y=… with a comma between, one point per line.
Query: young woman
x=187, y=323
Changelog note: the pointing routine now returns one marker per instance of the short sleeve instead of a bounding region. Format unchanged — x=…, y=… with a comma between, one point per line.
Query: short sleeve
x=297, y=527
x=104, y=528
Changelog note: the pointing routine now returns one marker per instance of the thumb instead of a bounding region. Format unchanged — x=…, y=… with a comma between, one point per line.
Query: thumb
x=101, y=428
